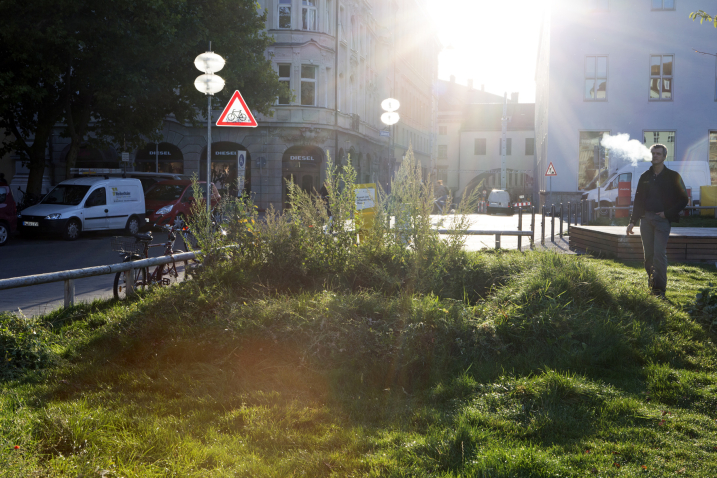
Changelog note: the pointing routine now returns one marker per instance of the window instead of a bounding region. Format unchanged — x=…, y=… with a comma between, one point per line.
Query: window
x=98, y=197
x=443, y=130
x=442, y=151
x=308, y=15
x=308, y=85
x=596, y=78
x=661, y=77
x=479, y=147
x=329, y=17
x=508, y=146
x=599, y=5
x=587, y=169
x=284, y=14
x=713, y=156
x=529, y=146
x=662, y=137
x=285, y=79
x=442, y=174
x=663, y=4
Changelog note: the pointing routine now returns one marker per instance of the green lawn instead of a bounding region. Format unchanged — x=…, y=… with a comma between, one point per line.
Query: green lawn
x=549, y=366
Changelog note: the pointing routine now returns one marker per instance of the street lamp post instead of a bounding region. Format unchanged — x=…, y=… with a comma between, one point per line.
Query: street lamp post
x=390, y=118
x=209, y=83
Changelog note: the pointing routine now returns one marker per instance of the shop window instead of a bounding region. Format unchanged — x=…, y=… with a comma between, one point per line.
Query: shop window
x=308, y=85
x=661, y=77
x=661, y=137
x=284, y=14
x=587, y=169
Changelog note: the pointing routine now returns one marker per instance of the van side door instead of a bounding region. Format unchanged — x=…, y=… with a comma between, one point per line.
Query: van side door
x=95, y=210
x=123, y=202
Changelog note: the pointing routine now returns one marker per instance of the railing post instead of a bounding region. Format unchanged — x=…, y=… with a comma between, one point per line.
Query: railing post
x=129, y=281
x=561, y=220
x=542, y=228
x=69, y=292
x=570, y=213
x=520, y=227
x=532, y=226
x=497, y=241
x=552, y=223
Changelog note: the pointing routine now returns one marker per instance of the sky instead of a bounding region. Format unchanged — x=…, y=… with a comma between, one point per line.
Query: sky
x=494, y=42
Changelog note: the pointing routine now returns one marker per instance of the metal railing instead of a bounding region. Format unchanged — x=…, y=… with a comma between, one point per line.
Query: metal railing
x=70, y=276
x=520, y=232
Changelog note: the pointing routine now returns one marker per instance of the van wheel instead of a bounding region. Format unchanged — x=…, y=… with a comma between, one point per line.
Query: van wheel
x=72, y=230
x=4, y=234
x=132, y=227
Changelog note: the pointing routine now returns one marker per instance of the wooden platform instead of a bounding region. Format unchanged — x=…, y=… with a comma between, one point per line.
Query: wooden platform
x=686, y=244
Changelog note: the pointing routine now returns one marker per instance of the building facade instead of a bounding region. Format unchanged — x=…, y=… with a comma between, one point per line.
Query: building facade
x=340, y=59
x=640, y=67
x=469, y=140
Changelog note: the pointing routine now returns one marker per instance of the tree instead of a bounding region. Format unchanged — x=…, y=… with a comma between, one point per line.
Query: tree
x=702, y=15
x=113, y=71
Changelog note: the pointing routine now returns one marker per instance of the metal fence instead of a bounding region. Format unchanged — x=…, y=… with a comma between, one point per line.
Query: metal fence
x=70, y=276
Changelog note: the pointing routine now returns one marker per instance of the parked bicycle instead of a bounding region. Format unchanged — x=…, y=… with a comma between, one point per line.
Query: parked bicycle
x=136, y=248
x=26, y=200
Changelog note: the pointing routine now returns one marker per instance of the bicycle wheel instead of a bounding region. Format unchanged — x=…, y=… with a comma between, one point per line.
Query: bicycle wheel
x=139, y=280
x=172, y=273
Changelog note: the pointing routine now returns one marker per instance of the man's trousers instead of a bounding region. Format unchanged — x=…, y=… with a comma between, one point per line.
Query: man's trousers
x=655, y=231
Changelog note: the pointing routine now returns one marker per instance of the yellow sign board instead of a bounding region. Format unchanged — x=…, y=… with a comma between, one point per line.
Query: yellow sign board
x=365, y=204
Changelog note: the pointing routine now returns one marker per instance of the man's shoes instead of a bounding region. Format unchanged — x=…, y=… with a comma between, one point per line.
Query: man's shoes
x=660, y=294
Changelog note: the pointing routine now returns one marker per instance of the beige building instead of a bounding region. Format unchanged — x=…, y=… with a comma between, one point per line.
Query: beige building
x=340, y=59
x=469, y=140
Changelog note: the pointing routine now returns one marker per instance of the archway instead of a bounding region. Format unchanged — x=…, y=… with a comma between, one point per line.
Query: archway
x=302, y=165
x=224, y=167
x=169, y=160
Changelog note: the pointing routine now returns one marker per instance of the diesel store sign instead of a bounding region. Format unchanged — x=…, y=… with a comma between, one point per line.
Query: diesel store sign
x=301, y=158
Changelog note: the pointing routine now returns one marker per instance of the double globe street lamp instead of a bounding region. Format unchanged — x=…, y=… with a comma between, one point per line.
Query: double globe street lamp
x=209, y=83
x=390, y=118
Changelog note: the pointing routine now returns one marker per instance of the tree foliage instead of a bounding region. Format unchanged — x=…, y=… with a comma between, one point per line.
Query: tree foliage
x=113, y=71
x=702, y=15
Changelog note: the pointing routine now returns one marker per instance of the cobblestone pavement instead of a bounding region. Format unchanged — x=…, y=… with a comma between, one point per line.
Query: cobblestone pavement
x=21, y=257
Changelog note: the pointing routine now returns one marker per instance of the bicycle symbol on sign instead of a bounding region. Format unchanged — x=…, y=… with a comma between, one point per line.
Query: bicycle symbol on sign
x=237, y=116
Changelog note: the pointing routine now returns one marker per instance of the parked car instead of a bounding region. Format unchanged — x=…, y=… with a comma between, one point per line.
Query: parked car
x=8, y=214
x=168, y=201
x=499, y=201
x=87, y=204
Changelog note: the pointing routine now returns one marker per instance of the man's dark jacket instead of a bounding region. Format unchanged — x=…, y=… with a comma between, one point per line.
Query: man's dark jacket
x=674, y=196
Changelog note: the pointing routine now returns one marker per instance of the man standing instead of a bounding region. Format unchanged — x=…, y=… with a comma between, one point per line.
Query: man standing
x=659, y=198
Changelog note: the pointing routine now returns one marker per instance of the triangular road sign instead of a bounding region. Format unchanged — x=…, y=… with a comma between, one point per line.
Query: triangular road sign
x=237, y=113
x=551, y=170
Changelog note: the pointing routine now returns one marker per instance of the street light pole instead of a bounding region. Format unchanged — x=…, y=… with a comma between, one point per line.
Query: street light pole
x=209, y=83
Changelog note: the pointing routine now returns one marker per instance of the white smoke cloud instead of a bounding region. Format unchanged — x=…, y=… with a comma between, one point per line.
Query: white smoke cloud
x=621, y=146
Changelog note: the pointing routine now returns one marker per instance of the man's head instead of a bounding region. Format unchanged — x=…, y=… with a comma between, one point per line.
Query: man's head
x=440, y=182
x=659, y=153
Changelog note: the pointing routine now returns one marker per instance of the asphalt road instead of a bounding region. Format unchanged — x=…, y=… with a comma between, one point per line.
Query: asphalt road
x=21, y=257
x=43, y=254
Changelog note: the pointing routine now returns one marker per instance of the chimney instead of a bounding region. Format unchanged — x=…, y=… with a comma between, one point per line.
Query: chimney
x=453, y=79
x=482, y=87
x=514, y=97
x=470, y=84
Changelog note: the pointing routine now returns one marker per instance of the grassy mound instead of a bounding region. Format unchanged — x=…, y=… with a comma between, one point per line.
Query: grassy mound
x=515, y=365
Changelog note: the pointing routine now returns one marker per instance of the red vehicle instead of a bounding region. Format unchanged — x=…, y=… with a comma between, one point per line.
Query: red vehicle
x=8, y=214
x=168, y=200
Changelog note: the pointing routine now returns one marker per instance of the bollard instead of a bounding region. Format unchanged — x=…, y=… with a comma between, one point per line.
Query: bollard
x=532, y=226
x=561, y=220
x=497, y=241
x=552, y=223
x=542, y=228
x=129, y=282
x=576, y=215
x=69, y=292
x=520, y=227
x=569, y=214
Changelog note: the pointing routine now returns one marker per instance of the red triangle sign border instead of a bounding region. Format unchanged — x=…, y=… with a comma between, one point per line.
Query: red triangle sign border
x=248, y=122
x=551, y=170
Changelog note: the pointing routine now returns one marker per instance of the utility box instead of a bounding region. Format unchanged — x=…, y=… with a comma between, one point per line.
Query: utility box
x=708, y=197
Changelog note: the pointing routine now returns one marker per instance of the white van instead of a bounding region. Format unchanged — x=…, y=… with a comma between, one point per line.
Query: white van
x=499, y=201
x=694, y=174
x=87, y=204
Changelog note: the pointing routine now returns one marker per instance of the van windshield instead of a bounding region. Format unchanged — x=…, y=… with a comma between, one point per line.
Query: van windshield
x=164, y=192
x=66, y=194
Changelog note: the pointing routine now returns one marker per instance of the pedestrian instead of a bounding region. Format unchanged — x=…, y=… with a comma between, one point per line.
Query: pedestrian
x=440, y=195
x=3, y=182
x=659, y=198
x=324, y=194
